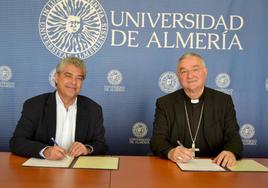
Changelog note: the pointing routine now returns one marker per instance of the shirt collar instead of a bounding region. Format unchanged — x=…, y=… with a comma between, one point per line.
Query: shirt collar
x=59, y=101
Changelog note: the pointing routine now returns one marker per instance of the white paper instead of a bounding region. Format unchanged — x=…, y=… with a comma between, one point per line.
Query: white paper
x=64, y=163
x=200, y=165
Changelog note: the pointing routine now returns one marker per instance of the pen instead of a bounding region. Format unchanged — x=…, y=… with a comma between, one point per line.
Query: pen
x=180, y=143
x=54, y=141
x=56, y=144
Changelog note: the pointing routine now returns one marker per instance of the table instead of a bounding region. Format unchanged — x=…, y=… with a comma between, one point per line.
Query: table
x=134, y=171
x=12, y=174
x=147, y=172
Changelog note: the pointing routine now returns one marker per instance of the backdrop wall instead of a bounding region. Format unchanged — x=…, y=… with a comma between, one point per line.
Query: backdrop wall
x=131, y=49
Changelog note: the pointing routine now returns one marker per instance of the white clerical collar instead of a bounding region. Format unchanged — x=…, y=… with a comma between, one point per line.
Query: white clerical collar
x=194, y=101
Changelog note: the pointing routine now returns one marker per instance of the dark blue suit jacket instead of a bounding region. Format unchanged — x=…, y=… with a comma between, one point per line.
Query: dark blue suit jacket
x=38, y=124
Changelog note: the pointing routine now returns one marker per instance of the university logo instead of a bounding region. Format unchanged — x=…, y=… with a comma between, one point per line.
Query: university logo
x=247, y=131
x=51, y=78
x=168, y=82
x=266, y=84
x=5, y=76
x=5, y=73
x=73, y=27
x=223, y=80
x=114, y=77
x=139, y=130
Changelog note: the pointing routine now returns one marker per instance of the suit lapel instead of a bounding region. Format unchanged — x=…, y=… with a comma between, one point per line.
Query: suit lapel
x=179, y=129
x=51, y=114
x=81, y=118
x=208, y=116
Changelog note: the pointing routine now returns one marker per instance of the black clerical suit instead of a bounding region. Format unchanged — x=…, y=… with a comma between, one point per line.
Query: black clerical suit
x=219, y=128
x=37, y=125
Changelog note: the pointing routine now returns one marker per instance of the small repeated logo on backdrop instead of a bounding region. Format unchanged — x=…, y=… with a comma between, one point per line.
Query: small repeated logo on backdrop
x=73, y=27
x=114, y=78
x=139, y=130
x=266, y=84
x=247, y=131
x=5, y=73
x=51, y=78
x=223, y=81
x=5, y=76
x=168, y=82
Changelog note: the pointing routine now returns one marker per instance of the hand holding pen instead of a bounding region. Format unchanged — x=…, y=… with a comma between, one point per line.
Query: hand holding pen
x=54, y=152
x=184, y=154
x=180, y=153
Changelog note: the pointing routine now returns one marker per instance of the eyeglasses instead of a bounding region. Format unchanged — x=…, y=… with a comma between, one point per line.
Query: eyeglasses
x=195, y=71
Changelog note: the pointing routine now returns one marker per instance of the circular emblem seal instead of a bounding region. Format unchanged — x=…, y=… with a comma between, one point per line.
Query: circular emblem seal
x=139, y=130
x=73, y=27
x=168, y=82
x=247, y=131
x=5, y=73
x=51, y=78
x=266, y=84
x=114, y=77
x=223, y=80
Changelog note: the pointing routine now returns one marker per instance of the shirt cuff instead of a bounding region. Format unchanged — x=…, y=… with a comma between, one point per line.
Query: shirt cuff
x=41, y=153
x=91, y=148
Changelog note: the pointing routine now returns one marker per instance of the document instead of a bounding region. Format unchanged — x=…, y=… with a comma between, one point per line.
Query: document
x=64, y=163
x=97, y=162
x=103, y=162
x=200, y=165
x=247, y=165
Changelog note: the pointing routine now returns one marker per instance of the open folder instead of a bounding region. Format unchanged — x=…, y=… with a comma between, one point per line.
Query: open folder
x=244, y=165
x=248, y=165
x=200, y=165
x=85, y=162
x=97, y=162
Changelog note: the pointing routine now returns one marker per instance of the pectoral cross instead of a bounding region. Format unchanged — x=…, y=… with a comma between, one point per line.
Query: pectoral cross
x=194, y=149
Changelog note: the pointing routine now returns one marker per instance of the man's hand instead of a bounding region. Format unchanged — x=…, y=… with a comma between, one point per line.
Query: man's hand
x=54, y=153
x=78, y=149
x=180, y=154
x=225, y=159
